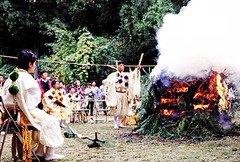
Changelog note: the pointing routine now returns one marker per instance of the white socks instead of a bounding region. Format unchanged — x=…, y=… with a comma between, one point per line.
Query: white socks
x=61, y=124
x=50, y=155
x=40, y=150
x=115, y=120
x=118, y=122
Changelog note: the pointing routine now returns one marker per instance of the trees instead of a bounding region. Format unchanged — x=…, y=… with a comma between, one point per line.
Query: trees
x=75, y=51
x=21, y=25
x=115, y=30
x=139, y=22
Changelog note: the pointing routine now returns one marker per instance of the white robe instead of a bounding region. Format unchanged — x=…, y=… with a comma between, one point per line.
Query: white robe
x=51, y=108
x=117, y=101
x=28, y=97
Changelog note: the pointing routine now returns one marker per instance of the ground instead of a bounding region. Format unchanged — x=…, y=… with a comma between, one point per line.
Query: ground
x=125, y=145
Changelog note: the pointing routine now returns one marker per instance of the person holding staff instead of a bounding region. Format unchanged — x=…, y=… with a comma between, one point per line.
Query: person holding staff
x=121, y=86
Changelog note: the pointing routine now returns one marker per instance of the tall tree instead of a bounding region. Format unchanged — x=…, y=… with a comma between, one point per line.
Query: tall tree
x=139, y=21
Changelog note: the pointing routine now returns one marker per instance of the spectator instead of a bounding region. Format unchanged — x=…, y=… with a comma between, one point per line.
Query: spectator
x=79, y=89
x=102, y=96
x=90, y=97
x=71, y=96
x=44, y=85
x=62, y=88
x=95, y=90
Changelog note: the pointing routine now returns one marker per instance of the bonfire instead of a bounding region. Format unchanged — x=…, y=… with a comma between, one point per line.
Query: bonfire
x=189, y=107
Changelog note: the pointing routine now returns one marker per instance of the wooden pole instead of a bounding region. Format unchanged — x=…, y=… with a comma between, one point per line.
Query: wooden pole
x=140, y=61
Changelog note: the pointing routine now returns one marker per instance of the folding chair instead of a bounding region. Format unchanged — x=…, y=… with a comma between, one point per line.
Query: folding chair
x=99, y=110
x=17, y=133
x=79, y=112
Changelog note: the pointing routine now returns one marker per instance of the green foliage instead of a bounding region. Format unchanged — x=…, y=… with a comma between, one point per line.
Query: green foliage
x=193, y=124
x=21, y=24
x=6, y=70
x=139, y=22
x=100, y=17
x=77, y=47
x=94, y=32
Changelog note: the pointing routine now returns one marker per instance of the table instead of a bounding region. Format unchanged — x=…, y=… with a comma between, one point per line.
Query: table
x=79, y=111
x=94, y=106
x=96, y=101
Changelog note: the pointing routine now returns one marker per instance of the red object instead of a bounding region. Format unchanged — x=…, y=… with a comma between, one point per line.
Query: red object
x=41, y=88
x=120, y=89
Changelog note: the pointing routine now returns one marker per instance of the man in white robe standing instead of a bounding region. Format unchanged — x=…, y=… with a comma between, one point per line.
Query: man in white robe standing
x=121, y=86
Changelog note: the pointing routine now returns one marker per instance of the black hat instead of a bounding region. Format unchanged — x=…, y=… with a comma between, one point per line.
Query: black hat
x=120, y=62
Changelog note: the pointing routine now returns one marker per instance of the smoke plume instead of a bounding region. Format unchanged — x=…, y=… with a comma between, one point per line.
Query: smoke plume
x=205, y=34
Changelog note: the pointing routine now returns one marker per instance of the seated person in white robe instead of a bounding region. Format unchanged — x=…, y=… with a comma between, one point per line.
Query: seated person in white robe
x=27, y=98
x=55, y=103
x=74, y=105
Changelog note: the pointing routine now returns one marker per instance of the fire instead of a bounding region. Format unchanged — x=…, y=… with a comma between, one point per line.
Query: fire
x=178, y=87
x=223, y=93
x=167, y=112
x=208, y=94
x=168, y=100
x=202, y=107
x=220, y=88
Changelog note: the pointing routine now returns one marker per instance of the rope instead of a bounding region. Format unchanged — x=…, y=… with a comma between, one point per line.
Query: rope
x=26, y=148
x=145, y=71
x=72, y=63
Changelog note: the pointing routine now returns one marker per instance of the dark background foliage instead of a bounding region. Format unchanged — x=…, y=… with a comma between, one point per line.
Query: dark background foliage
x=116, y=29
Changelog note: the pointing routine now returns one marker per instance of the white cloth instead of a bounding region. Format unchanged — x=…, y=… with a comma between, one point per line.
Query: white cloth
x=89, y=93
x=116, y=83
x=75, y=105
x=28, y=97
x=95, y=92
x=52, y=108
x=102, y=90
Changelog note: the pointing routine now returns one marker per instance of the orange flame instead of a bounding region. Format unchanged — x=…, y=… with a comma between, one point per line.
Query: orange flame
x=209, y=90
x=220, y=88
x=167, y=112
x=178, y=87
x=202, y=107
x=168, y=100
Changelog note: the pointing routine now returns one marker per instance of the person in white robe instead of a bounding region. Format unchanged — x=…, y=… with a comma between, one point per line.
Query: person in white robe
x=75, y=105
x=121, y=86
x=55, y=104
x=48, y=132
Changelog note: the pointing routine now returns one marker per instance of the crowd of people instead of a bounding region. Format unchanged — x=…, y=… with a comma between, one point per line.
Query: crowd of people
x=46, y=103
x=58, y=101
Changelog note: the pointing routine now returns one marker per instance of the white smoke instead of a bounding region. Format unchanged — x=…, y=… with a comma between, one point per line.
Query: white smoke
x=205, y=34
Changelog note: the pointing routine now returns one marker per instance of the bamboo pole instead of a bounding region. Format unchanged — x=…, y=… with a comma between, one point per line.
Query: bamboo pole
x=140, y=61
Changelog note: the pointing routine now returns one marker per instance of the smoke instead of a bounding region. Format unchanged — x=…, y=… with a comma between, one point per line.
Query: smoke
x=205, y=34
x=225, y=121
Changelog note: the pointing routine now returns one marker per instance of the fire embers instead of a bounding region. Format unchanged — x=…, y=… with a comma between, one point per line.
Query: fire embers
x=199, y=94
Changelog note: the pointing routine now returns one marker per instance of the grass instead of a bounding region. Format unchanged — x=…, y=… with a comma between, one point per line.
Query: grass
x=119, y=147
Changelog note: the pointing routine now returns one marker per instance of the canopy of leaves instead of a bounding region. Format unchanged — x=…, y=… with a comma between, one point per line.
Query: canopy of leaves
x=83, y=31
x=75, y=50
x=139, y=22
